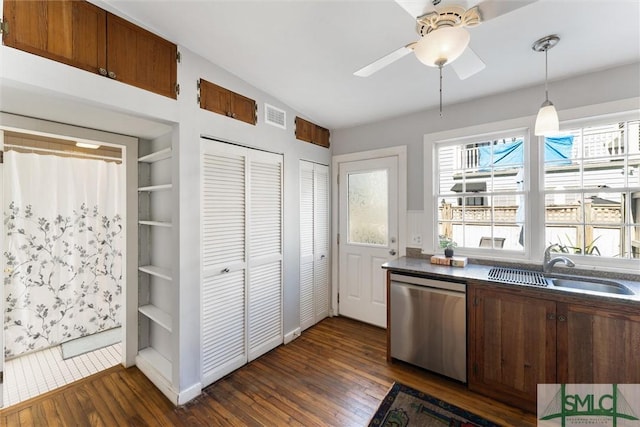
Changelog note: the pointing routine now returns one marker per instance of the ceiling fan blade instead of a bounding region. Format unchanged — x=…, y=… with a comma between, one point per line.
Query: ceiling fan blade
x=416, y=8
x=383, y=62
x=490, y=9
x=467, y=64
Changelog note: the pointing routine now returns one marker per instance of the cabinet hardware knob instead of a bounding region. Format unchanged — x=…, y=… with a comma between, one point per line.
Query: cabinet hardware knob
x=322, y=256
x=551, y=316
x=392, y=252
x=562, y=318
x=102, y=71
x=112, y=75
x=233, y=115
x=224, y=270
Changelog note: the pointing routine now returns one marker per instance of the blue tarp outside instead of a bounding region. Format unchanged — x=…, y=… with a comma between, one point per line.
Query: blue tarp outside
x=557, y=150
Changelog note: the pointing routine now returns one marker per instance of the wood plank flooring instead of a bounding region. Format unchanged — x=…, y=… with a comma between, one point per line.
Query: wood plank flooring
x=335, y=374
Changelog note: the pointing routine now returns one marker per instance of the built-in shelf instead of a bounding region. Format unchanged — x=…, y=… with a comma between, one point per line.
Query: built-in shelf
x=155, y=223
x=153, y=359
x=156, y=157
x=161, y=272
x=160, y=317
x=161, y=187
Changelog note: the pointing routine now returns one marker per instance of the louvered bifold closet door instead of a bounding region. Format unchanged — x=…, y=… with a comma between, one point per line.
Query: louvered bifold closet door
x=307, y=306
x=265, y=253
x=321, y=242
x=223, y=217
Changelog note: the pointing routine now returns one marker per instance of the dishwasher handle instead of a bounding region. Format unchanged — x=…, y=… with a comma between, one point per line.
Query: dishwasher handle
x=429, y=289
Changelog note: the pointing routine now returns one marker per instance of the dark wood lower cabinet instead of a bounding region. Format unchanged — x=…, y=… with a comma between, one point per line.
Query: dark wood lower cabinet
x=518, y=339
x=512, y=345
x=598, y=345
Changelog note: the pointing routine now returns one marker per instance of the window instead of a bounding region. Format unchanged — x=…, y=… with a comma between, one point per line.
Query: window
x=480, y=192
x=592, y=190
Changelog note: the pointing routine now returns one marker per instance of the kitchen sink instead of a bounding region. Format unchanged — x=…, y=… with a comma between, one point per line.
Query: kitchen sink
x=594, y=285
x=535, y=278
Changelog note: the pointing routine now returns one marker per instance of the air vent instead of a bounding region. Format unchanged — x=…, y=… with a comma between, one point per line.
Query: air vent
x=275, y=116
x=518, y=277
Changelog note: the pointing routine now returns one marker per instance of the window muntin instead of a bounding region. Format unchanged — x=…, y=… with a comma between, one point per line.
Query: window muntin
x=592, y=197
x=480, y=193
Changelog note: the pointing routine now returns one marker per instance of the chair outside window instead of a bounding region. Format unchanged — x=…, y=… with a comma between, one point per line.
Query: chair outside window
x=486, y=242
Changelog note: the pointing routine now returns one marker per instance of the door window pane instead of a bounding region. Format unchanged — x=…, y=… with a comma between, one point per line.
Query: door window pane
x=368, y=207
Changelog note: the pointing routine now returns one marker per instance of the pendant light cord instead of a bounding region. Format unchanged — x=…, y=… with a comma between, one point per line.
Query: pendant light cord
x=440, y=67
x=546, y=74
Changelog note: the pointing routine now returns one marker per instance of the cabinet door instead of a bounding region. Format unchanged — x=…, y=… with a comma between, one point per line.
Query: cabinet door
x=215, y=98
x=598, y=346
x=321, y=136
x=304, y=130
x=140, y=58
x=512, y=345
x=71, y=32
x=243, y=108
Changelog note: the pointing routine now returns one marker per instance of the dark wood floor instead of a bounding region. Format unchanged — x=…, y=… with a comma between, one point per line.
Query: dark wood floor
x=334, y=374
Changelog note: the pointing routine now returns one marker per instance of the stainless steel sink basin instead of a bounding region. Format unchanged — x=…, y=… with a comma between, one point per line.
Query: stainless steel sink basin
x=594, y=285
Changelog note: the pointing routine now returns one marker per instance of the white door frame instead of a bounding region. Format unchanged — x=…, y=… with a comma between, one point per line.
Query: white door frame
x=401, y=153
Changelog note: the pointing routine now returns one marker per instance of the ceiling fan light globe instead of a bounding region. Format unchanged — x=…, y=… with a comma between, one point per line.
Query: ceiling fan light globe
x=443, y=44
x=547, y=123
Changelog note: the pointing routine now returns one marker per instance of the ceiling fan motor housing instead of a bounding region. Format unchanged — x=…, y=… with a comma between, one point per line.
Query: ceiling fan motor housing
x=449, y=16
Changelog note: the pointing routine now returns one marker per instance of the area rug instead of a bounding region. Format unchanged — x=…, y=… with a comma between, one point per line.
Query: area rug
x=405, y=406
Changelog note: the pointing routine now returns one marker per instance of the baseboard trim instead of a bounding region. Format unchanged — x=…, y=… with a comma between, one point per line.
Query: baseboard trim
x=189, y=394
x=288, y=337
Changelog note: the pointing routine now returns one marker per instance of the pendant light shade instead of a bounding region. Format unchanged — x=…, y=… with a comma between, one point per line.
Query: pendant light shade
x=547, y=122
x=442, y=46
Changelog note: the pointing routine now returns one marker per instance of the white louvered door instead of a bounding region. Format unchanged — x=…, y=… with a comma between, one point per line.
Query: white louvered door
x=321, y=242
x=265, y=253
x=307, y=310
x=224, y=176
x=314, y=243
x=241, y=243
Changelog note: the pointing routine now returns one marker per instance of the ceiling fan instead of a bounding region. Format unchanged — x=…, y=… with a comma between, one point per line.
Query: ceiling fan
x=443, y=38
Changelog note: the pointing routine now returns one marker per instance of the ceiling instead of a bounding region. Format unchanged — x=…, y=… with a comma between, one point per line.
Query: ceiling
x=304, y=52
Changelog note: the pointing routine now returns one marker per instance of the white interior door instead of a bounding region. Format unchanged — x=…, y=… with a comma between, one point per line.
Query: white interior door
x=368, y=233
x=314, y=243
x=224, y=267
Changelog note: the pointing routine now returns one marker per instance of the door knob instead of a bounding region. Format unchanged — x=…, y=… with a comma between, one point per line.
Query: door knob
x=392, y=251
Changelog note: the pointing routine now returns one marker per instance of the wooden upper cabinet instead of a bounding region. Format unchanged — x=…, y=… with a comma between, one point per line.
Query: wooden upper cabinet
x=82, y=35
x=310, y=132
x=220, y=100
x=140, y=58
x=67, y=31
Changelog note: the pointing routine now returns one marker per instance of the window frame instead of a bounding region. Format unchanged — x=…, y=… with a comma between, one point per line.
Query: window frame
x=591, y=115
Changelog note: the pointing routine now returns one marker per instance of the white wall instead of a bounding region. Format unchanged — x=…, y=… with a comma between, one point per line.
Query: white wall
x=37, y=87
x=595, y=88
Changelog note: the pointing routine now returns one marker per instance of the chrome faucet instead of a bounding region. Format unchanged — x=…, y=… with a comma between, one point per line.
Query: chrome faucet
x=548, y=262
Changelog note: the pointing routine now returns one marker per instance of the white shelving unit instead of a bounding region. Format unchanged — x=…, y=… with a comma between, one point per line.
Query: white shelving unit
x=157, y=305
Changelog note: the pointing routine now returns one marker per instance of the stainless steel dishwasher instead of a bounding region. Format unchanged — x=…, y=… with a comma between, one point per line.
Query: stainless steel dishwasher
x=428, y=324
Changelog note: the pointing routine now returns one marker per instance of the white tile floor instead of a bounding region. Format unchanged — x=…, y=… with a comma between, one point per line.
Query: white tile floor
x=36, y=373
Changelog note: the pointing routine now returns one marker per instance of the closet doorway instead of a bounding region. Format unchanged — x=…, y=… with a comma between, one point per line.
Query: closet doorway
x=64, y=262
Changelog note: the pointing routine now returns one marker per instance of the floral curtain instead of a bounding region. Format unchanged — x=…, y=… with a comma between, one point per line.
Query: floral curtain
x=63, y=249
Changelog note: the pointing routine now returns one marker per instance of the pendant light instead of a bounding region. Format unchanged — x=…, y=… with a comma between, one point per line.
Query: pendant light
x=547, y=122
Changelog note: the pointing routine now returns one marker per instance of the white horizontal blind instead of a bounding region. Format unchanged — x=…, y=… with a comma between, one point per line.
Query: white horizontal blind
x=307, y=315
x=265, y=253
x=321, y=241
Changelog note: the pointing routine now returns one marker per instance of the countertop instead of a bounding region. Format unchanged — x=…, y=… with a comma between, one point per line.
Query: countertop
x=479, y=273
